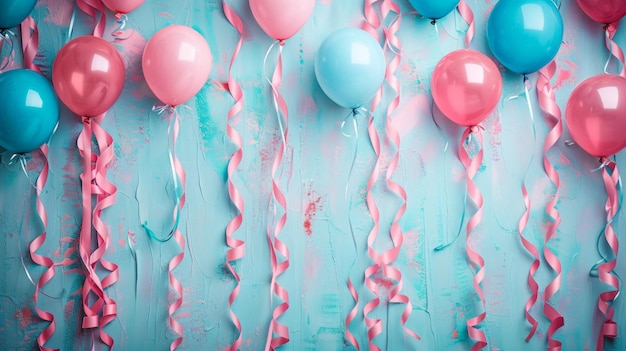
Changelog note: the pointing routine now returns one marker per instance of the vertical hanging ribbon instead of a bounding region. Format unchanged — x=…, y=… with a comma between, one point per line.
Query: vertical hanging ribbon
x=30, y=43
x=374, y=325
x=42, y=260
x=547, y=102
x=468, y=16
x=91, y=8
x=276, y=245
x=612, y=184
x=476, y=262
x=236, y=249
x=392, y=41
x=105, y=197
x=614, y=49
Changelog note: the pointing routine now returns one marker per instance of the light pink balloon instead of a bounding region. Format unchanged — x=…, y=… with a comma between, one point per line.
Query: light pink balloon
x=281, y=19
x=466, y=86
x=596, y=114
x=88, y=75
x=176, y=63
x=603, y=11
x=122, y=6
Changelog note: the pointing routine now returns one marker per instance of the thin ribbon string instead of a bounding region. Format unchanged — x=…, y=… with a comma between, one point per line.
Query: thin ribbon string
x=468, y=16
x=475, y=260
x=612, y=184
x=105, y=198
x=120, y=32
x=42, y=260
x=9, y=37
x=352, y=116
x=30, y=43
x=391, y=40
x=614, y=49
x=91, y=8
x=236, y=249
x=92, y=286
x=547, y=102
x=176, y=172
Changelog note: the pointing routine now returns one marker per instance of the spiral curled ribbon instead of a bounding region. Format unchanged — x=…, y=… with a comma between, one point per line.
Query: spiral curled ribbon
x=614, y=49
x=30, y=43
x=236, y=247
x=547, y=102
x=42, y=260
x=276, y=245
x=468, y=16
x=392, y=41
x=91, y=8
x=475, y=260
x=612, y=184
x=94, y=183
x=120, y=33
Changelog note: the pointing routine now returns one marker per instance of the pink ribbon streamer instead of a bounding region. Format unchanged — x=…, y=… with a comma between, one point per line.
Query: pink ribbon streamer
x=532, y=283
x=94, y=183
x=91, y=8
x=237, y=247
x=175, y=284
x=372, y=20
x=392, y=41
x=614, y=49
x=547, y=102
x=30, y=43
x=475, y=260
x=605, y=270
x=468, y=16
x=42, y=260
x=276, y=245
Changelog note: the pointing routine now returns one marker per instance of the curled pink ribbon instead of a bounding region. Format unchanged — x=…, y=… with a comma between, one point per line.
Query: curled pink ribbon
x=547, y=102
x=612, y=184
x=475, y=260
x=237, y=247
x=614, y=49
x=42, y=260
x=91, y=8
x=391, y=40
x=30, y=43
x=468, y=16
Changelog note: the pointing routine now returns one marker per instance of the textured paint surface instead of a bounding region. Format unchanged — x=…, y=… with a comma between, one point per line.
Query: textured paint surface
x=323, y=256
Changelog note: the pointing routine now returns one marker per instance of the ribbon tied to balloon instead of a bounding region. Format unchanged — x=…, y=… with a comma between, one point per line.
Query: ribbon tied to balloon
x=596, y=117
x=176, y=64
x=88, y=76
x=466, y=87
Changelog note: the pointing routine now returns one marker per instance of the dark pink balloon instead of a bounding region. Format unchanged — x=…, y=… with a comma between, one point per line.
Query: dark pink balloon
x=603, y=11
x=466, y=86
x=176, y=63
x=596, y=114
x=88, y=75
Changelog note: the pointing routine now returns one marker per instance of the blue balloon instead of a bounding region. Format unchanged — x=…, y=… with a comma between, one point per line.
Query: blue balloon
x=524, y=35
x=13, y=12
x=434, y=9
x=29, y=111
x=350, y=67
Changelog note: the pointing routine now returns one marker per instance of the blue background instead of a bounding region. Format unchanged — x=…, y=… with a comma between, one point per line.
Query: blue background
x=438, y=283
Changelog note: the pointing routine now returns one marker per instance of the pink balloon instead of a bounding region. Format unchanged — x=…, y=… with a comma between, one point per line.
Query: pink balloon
x=88, y=75
x=466, y=86
x=596, y=114
x=603, y=11
x=281, y=19
x=122, y=6
x=176, y=63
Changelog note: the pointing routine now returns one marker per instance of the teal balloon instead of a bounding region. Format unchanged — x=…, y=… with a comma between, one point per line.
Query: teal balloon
x=29, y=111
x=350, y=67
x=13, y=12
x=524, y=35
x=434, y=9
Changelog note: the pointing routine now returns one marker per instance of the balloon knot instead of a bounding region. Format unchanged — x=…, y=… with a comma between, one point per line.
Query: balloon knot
x=477, y=128
x=118, y=16
x=609, y=27
x=433, y=22
x=281, y=42
x=86, y=120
